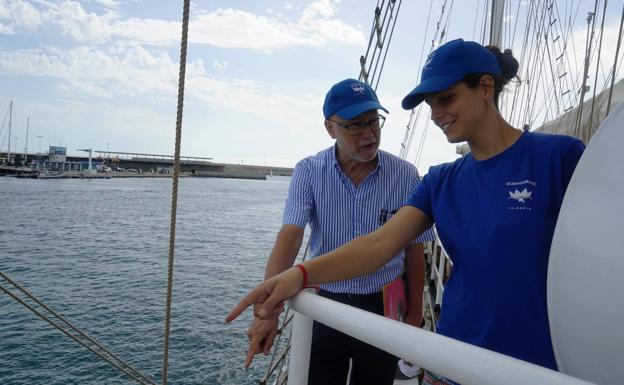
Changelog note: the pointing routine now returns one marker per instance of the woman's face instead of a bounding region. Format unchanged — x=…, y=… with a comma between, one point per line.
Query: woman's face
x=458, y=110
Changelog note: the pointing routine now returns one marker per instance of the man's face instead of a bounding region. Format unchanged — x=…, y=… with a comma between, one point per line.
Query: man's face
x=358, y=138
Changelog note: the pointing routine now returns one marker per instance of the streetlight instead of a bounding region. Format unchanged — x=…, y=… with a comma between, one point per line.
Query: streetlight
x=39, y=137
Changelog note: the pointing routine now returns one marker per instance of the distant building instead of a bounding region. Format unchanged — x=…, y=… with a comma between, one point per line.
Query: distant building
x=57, y=154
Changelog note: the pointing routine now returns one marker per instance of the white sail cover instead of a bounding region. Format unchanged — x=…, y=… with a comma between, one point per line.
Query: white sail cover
x=586, y=268
x=566, y=124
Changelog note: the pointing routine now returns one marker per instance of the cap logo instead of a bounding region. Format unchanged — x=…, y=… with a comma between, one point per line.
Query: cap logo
x=429, y=60
x=358, y=88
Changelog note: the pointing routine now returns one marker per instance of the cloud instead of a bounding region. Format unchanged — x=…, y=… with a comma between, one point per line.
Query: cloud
x=219, y=66
x=107, y=3
x=226, y=28
x=251, y=97
x=82, y=26
x=131, y=70
x=19, y=14
x=230, y=28
x=122, y=69
x=6, y=30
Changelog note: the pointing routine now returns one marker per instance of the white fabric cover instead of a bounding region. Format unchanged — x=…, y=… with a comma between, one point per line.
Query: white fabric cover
x=586, y=270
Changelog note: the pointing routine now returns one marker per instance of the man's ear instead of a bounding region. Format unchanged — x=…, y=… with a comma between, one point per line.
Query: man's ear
x=330, y=128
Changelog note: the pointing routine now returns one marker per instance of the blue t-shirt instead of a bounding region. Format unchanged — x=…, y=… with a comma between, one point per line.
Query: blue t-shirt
x=496, y=219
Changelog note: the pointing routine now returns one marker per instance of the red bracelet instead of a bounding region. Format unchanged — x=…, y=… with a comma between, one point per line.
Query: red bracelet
x=305, y=275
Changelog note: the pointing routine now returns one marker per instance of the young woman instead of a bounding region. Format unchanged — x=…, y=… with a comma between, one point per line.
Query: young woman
x=495, y=211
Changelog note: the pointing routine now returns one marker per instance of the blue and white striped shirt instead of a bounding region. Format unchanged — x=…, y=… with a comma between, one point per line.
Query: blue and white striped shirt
x=322, y=195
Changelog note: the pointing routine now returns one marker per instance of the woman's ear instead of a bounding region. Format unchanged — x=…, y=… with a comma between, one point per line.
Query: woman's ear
x=486, y=84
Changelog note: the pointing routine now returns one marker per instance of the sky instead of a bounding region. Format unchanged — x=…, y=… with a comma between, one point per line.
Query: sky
x=102, y=74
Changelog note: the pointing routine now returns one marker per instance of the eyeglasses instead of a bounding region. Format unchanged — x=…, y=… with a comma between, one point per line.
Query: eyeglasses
x=358, y=128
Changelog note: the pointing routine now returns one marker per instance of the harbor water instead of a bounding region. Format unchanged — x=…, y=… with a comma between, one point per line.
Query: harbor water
x=96, y=252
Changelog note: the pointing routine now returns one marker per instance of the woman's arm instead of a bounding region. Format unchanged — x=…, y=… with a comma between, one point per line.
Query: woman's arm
x=368, y=253
x=361, y=256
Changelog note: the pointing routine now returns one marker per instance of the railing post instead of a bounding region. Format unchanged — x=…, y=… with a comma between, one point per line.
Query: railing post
x=441, y=274
x=301, y=342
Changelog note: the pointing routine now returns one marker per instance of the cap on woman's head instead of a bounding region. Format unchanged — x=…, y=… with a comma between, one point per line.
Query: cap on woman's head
x=448, y=64
x=350, y=98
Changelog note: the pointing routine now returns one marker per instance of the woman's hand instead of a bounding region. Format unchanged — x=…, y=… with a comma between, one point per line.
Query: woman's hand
x=269, y=296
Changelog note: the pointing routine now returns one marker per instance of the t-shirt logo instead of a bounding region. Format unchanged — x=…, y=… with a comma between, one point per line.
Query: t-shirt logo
x=521, y=196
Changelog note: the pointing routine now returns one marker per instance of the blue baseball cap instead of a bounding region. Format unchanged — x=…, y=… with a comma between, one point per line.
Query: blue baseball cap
x=350, y=98
x=449, y=64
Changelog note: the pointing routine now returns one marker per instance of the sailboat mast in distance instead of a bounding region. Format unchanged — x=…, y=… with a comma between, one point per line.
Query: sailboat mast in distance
x=9, y=148
x=26, y=144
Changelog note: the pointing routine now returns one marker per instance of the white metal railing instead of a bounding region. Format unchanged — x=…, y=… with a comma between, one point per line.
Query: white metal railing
x=439, y=260
x=459, y=361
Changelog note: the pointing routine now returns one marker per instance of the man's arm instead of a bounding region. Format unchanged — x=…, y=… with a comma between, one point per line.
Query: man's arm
x=261, y=333
x=415, y=274
x=285, y=250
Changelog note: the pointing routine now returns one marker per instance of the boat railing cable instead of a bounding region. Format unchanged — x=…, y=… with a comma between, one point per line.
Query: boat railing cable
x=174, y=192
x=62, y=324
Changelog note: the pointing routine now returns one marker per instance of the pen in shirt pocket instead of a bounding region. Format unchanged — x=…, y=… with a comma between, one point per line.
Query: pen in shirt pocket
x=385, y=215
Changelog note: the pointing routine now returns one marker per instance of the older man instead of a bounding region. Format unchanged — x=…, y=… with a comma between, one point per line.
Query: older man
x=345, y=191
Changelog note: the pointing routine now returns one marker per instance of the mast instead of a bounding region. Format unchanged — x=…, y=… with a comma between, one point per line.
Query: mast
x=26, y=145
x=9, y=148
x=496, y=23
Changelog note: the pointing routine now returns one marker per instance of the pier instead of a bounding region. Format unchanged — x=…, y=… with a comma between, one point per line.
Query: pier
x=127, y=164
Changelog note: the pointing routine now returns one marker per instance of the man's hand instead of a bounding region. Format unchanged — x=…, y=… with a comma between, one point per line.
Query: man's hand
x=261, y=334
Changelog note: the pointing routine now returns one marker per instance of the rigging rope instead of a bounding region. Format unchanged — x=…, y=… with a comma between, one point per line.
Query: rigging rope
x=363, y=73
x=591, y=114
x=591, y=19
x=617, y=51
x=410, y=128
x=415, y=114
x=389, y=40
x=91, y=344
x=174, y=193
x=380, y=38
x=474, y=28
x=388, y=15
x=486, y=6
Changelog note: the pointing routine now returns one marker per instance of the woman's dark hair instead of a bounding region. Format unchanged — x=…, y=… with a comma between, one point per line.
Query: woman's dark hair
x=509, y=69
